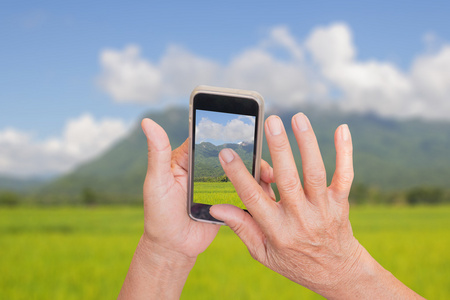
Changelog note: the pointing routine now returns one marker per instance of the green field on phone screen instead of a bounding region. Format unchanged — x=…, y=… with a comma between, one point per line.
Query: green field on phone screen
x=216, y=193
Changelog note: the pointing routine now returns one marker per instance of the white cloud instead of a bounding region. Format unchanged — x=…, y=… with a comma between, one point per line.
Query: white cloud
x=82, y=138
x=234, y=131
x=380, y=86
x=280, y=82
x=179, y=71
x=430, y=75
x=365, y=86
x=331, y=45
x=182, y=71
x=126, y=76
x=290, y=72
x=281, y=37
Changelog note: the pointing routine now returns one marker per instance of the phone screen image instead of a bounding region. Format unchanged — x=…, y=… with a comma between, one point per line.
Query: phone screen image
x=215, y=131
x=221, y=118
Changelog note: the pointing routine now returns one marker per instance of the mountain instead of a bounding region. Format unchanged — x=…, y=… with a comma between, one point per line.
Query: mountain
x=20, y=184
x=119, y=173
x=207, y=162
x=389, y=154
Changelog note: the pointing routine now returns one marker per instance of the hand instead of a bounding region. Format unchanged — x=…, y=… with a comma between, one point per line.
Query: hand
x=306, y=236
x=167, y=223
x=171, y=240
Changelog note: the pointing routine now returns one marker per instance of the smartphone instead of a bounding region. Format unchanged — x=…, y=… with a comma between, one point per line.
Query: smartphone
x=221, y=118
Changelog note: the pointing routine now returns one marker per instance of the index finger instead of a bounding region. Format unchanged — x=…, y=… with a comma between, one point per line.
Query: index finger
x=251, y=193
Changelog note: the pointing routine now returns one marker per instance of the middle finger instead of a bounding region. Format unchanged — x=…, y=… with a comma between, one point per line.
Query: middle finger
x=314, y=174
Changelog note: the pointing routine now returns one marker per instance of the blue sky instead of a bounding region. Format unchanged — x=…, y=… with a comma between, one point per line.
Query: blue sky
x=67, y=67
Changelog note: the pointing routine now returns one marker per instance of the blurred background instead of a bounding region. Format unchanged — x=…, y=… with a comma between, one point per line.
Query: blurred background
x=76, y=78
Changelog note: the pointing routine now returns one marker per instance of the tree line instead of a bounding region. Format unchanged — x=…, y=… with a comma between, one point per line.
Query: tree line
x=222, y=178
x=360, y=194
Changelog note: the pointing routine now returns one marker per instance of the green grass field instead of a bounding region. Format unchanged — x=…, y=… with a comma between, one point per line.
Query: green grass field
x=216, y=193
x=84, y=253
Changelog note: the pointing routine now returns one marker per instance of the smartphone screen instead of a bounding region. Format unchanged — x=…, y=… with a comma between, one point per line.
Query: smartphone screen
x=220, y=121
x=215, y=131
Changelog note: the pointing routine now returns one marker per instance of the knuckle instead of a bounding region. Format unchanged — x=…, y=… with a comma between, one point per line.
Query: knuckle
x=281, y=145
x=347, y=152
x=234, y=170
x=346, y=178
x=344, y=181
x=231, y=172
x=290, y=183
x=153, y=150
x=238, y=226
x=310, y=142
x=251, y=196
x=316, y=178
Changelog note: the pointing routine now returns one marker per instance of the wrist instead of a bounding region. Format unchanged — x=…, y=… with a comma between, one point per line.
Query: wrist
x=161, y=261
x=362, y=272
x=367, y=279
x=156, y=271
x=149, y=249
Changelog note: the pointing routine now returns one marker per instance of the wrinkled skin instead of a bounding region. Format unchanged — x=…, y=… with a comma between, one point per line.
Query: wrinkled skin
x=306, y=236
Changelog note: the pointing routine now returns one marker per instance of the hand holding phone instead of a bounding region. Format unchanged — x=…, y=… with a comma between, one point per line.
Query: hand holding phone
x=221, y=118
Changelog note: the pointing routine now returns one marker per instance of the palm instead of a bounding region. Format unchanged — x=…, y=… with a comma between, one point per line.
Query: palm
x=165, y=204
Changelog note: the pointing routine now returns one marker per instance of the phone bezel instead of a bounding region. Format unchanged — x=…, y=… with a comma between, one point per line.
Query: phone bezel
x=228, y=101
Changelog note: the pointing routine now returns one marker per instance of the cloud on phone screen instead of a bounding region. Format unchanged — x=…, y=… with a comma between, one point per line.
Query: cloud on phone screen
x=237, y=130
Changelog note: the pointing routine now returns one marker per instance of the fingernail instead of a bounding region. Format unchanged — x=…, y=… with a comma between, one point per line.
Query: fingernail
x=275, y=125
x=301, y=122
x=345, y=132
x=226, y=155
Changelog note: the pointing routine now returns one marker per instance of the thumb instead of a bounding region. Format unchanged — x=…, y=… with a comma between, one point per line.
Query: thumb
x=159, y=152
x=244, y=226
